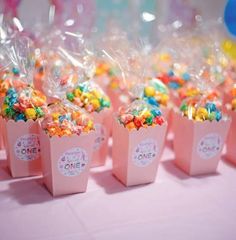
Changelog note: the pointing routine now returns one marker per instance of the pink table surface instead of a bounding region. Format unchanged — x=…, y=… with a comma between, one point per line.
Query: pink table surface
x=174, y=207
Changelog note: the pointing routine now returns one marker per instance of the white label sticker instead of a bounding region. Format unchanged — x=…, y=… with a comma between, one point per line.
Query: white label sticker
x=100, y=136
x=27, y=147
x=145, y=153
x=73, y=162
x=209, y=146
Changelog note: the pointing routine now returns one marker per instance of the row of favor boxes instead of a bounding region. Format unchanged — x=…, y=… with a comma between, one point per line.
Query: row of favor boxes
x=65, y=161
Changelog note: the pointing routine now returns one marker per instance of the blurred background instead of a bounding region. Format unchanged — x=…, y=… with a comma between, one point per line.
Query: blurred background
x=141, y=17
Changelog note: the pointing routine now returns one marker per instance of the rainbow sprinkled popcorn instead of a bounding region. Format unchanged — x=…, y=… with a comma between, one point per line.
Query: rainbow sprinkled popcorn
x=140, y=115
x=10, y=79
x=201, y=110
x=24, y=105
x=156, y=93
x=89, y=96
x=110, y=73
x=65, y=121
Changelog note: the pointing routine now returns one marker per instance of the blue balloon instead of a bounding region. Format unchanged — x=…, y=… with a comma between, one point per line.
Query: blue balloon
x=230, y=16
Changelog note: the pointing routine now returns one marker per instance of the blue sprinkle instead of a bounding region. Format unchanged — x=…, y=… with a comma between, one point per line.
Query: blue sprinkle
x=12, y=101
x=211, y=107
x=20, y=116
x=156, y=112
x=171, y=73
x=83, y=87
x=15, y=70
x=153, y=101
x=186, y=76
x=62, y=118
x=13, y=95
x=218, y=115
x=11, y=91
x=174, y=85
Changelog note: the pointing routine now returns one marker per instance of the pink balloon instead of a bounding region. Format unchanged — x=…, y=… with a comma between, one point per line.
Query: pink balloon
x=10, y=7
x=182, y=10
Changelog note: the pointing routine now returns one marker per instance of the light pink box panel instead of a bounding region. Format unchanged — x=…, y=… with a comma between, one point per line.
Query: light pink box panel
x=22, y=147
x=66, y=162
x=231, y=140
x=118, y=98
x=102, y=123
x=167, y=114
x=198, y=145
x=2, y=144
x=136, y=154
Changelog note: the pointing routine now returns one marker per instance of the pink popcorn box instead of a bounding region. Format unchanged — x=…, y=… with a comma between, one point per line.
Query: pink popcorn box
x=136, y=153
x=231, y=139
x=2, y=142
x=198, y=145
x=22, y=147
x=65, y=162
x=102, y=125
x=167, y=114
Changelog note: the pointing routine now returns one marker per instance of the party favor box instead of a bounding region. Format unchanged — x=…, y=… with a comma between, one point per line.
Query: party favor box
x=136, y=153
x=231, y=140
x=167, y=114
x=22, y=147
x=66, y=161
x=102, y=125
x=198, y=145
x=2, y=142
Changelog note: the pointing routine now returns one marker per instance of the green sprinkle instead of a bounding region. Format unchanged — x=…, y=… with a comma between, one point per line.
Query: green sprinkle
x=7, y=100
x=149, y=120
x=212, y=116
x=39, y=111
x=112, y=72
x=70, y=96
x=10, y=113
x=135, y=112
x=183, y=107
x=104, y=103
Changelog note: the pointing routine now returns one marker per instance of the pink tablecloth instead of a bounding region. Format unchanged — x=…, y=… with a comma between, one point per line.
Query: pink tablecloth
x=174, y=207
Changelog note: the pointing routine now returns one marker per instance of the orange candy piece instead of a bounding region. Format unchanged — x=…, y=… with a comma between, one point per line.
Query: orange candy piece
x=130, y=126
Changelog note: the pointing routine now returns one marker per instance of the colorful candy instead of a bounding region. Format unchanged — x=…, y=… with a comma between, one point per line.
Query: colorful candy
x=89, y=96
x=24, y=105
x=171, y=72
x=232, y=95
x=156, y=93
x=194, y=111
x=109, y=74
x=64, y=121
x=140, y=114
x=9, y=79
x=188, y=92
x=233, y=103
x=172, y=80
